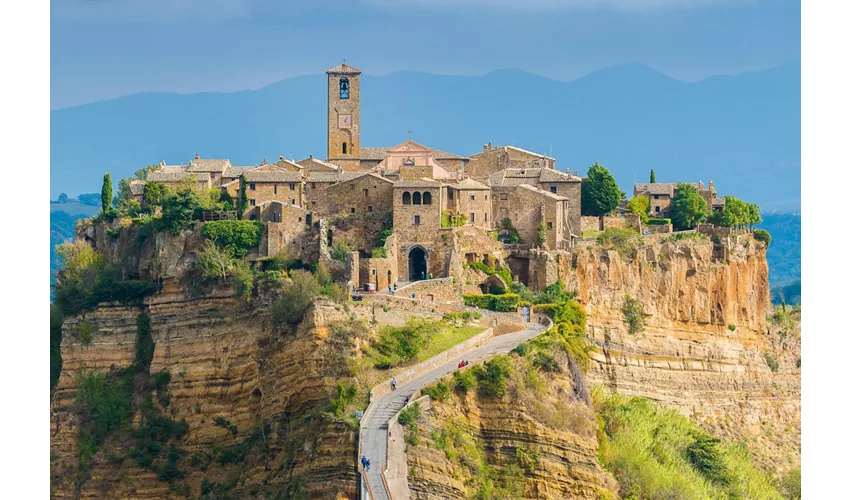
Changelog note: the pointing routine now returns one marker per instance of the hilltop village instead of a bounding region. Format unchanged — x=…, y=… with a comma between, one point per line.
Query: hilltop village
x=502, y=206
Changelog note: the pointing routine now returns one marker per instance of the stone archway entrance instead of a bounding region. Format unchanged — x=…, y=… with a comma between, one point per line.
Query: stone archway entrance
x=417, y=263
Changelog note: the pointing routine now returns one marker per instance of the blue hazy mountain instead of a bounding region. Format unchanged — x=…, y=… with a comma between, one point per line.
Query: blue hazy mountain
x=741, y=131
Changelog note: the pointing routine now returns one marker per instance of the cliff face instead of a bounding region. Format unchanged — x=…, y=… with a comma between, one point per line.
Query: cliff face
x=226, y=361
x=705, y=346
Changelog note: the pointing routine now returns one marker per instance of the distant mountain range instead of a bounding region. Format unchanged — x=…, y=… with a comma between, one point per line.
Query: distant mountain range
x=741, y=131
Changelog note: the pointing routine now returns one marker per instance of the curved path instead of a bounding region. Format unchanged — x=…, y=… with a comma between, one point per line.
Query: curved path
x=375, y=423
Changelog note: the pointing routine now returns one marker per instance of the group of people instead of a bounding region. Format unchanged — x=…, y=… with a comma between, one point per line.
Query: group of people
x=462, y=363
x=422, y=275
x=391, y=289
x=365, y=462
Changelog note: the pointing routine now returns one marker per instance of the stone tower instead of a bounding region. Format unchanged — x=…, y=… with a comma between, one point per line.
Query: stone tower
x=343, y=112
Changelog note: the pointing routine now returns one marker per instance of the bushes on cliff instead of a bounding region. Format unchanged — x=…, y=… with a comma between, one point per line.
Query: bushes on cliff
x=295, y=298
x=623, y=241
x=506, y=302
x=339, y=251
x=237, y=236
x=397, y=344
x=655, y=453
x=493, y=379
x=633, y=314
x=179, y=210
x=762, y=236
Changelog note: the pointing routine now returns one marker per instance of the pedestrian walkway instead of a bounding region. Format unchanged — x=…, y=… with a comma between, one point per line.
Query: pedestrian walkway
x=375, y=423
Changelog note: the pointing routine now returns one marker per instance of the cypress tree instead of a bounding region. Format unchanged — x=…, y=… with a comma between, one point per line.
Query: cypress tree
x=106, y=193
x=652, y=176
x=243, y=195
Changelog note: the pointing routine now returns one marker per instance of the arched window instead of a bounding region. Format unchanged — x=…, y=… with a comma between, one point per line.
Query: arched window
x=426, y=198
x=343, y=88
x=417, y=198
x=405, y=198
x=344, y=148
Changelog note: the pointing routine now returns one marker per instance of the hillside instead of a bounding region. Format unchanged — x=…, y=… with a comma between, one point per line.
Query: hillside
x=741, y=131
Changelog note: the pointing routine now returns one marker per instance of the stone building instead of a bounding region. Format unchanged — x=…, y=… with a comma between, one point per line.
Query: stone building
x=661, y=195
x=472, y=199
x=176, y=176
x=416, y=226
x=493, y=159
x=528, y=207
x=316, y=165
x=360, y=193
x=269, y=183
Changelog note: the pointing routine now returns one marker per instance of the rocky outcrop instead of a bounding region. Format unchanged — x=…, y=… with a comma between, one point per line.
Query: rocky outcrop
x=702, y=349
x=226, y=361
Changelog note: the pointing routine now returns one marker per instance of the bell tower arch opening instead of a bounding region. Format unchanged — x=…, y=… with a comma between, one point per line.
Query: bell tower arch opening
x=417, y=263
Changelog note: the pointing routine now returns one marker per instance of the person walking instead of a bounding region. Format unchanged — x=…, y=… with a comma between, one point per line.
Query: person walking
x=368, y=464
x=423, y=275
x=393, y=383
x=363, y=461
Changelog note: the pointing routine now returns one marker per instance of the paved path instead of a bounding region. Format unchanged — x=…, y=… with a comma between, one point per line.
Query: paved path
x=374, y=425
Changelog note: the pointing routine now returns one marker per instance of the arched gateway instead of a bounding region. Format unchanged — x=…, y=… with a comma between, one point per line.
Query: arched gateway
x=417, y=263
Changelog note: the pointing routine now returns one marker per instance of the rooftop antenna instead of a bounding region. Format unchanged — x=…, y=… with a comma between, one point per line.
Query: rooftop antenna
x=409, y=133
x=343, y=61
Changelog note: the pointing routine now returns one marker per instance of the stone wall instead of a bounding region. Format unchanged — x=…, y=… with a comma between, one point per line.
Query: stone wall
x=360, y=231
x=316, y=197
x=590, y=223
x=435, y=290
x=412, y=173
x=365, y=194
x=426, y=234
x=476, y=204
x=286, y=192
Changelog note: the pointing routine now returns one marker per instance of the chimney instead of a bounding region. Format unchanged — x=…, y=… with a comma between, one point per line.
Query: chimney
x=710, y=184
x=281, y=158
x=162, y=163
x=700, y=185
x=197, y=157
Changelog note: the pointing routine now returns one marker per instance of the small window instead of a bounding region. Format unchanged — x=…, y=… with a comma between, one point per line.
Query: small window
x=351, y=187
x=292, y=201
x=275, y=189
x=553, y=188
x=417, y=220
x=405, y=198
x=253, y=202
x=291, y=186
x=426, y=198
x=503, y=196
x=343, y=89
x=549, y=225
x=369, y=208
x=655, y=196
x=344, y=148
x=472, y=217
x=657, y=209
x=471, y=197
x=485, y=197
x=451, y=194
x=299, y=219
x=314, y=205
x=485, y=216
x=417, y=198
x=313, y=185
x=366, y=193
x=352, y=210
x=252, y=186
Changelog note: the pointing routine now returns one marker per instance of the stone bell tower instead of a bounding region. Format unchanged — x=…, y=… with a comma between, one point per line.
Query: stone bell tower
x=343, y=112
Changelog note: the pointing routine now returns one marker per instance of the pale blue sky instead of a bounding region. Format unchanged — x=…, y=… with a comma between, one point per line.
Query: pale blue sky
x=107, y=48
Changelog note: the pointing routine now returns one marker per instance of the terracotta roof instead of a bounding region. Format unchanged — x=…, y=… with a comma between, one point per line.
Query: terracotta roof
x=323, y=177
x=272, y=176
x=543, y=192
x=233, y=172
x=552, y=175
x=471, y=185
x=515, y=176
x=381, y=153
x=343, y=69
x=176, y=174
x=307, y=162
x=665, y=188
x=137, y=187
x=208, y=165
x=718, y=202
x=373, y=153
x=283, y=162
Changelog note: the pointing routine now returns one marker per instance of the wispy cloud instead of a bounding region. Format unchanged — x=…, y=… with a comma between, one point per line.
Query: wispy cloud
x=149, y=10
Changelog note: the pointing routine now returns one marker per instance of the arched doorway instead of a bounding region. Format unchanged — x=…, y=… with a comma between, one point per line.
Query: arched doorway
x=417, y=263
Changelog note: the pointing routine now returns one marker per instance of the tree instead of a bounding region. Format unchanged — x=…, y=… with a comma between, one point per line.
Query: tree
x=639, y=205
x=652, y=176
x=242, y=204
x=599, y=192
x=295, y=298
x=178, y=210
x=90, y=199
x=106, y=193
x=688, y=208
x=63, y=198
x=123, y=197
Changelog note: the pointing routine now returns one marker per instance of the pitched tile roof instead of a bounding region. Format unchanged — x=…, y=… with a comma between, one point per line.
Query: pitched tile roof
x=471, y=185
x=552, y=175
x=417, y=183
x=233, y=172
x=208, y=165
x=272, y=176
x=309, y=162
x=343, y=69
x=665, y=188
x=176, y=174
x=137, y=187
x=323, y=177
x=373, y=153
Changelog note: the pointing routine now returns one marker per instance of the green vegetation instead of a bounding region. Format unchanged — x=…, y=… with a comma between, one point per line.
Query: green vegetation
x=179, y=210
x=512, y=234
x=295, y=298
x=154, y=193
x=652, y=176
x=106, y=193
x=410, y=414
x=633, y=314
x=792, y=484
x=503, y=302
x=541, y=235
x=492, y=380
x=450, y=219
x=684, y=236
x=345, y=394
x=623, y=241
x=85, y=329
x=736, y=213
x=639, y=205
x=242, y=204
x=340, y=250
x=379, y=253
x=771, y=362
x=504, y=272
x=237, y=236
x=439, y=391
x=658, y=453
x=658, y=221
x=762, y=236
x=460, y=318
x=599, y=192
x=397, y=344
x=688, y=208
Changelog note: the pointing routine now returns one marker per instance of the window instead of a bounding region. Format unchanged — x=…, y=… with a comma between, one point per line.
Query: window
x=472, y=217
x=275, y=189
x=405, y=198
x=313, y=185
x=417, y=220
x=548, y=225
x=291, y=186
x=655, y=196
x=343, y=88
x=252, y=202
x=252, y=186
x=352, y=209
x=485, y=216
x=451, y=193
x=292, y=201
x=369, y=208
x=485, y=197
x=471, y=197
x=299, y=219
x=503, y=196
x=314, y=205
x=344, y=148
x=351, y=187
x=553, y=188
x=426, y=198
x=417, y=198
x=657, y=209
x=366, y=193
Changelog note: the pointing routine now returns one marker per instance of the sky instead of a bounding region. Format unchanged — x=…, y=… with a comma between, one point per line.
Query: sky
x=101, y=49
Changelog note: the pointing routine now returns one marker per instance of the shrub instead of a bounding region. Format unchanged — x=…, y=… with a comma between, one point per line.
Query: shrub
x=731, y=327
x=762, y=236
x=340, y=250
x=379, y=253
x=506, y=302
x=521, y=350
x=792, y=484
x=438, y=392
x=410, y=414
x=338, y=292
x=85, y=329
x=345, y=395
x=623, y=241
x=400, y=344
x=688, y=208
x=771, y=361
x=555, y=293
x=466, y=380
x=639, y=205
x=633, y=314
x=541, y=234
x=236, y=236
x=450, y=219
x=295, y=298
x=546, y=362
x=243, y=279
x=493, y=378
x=178, y=210
x=658, y=221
